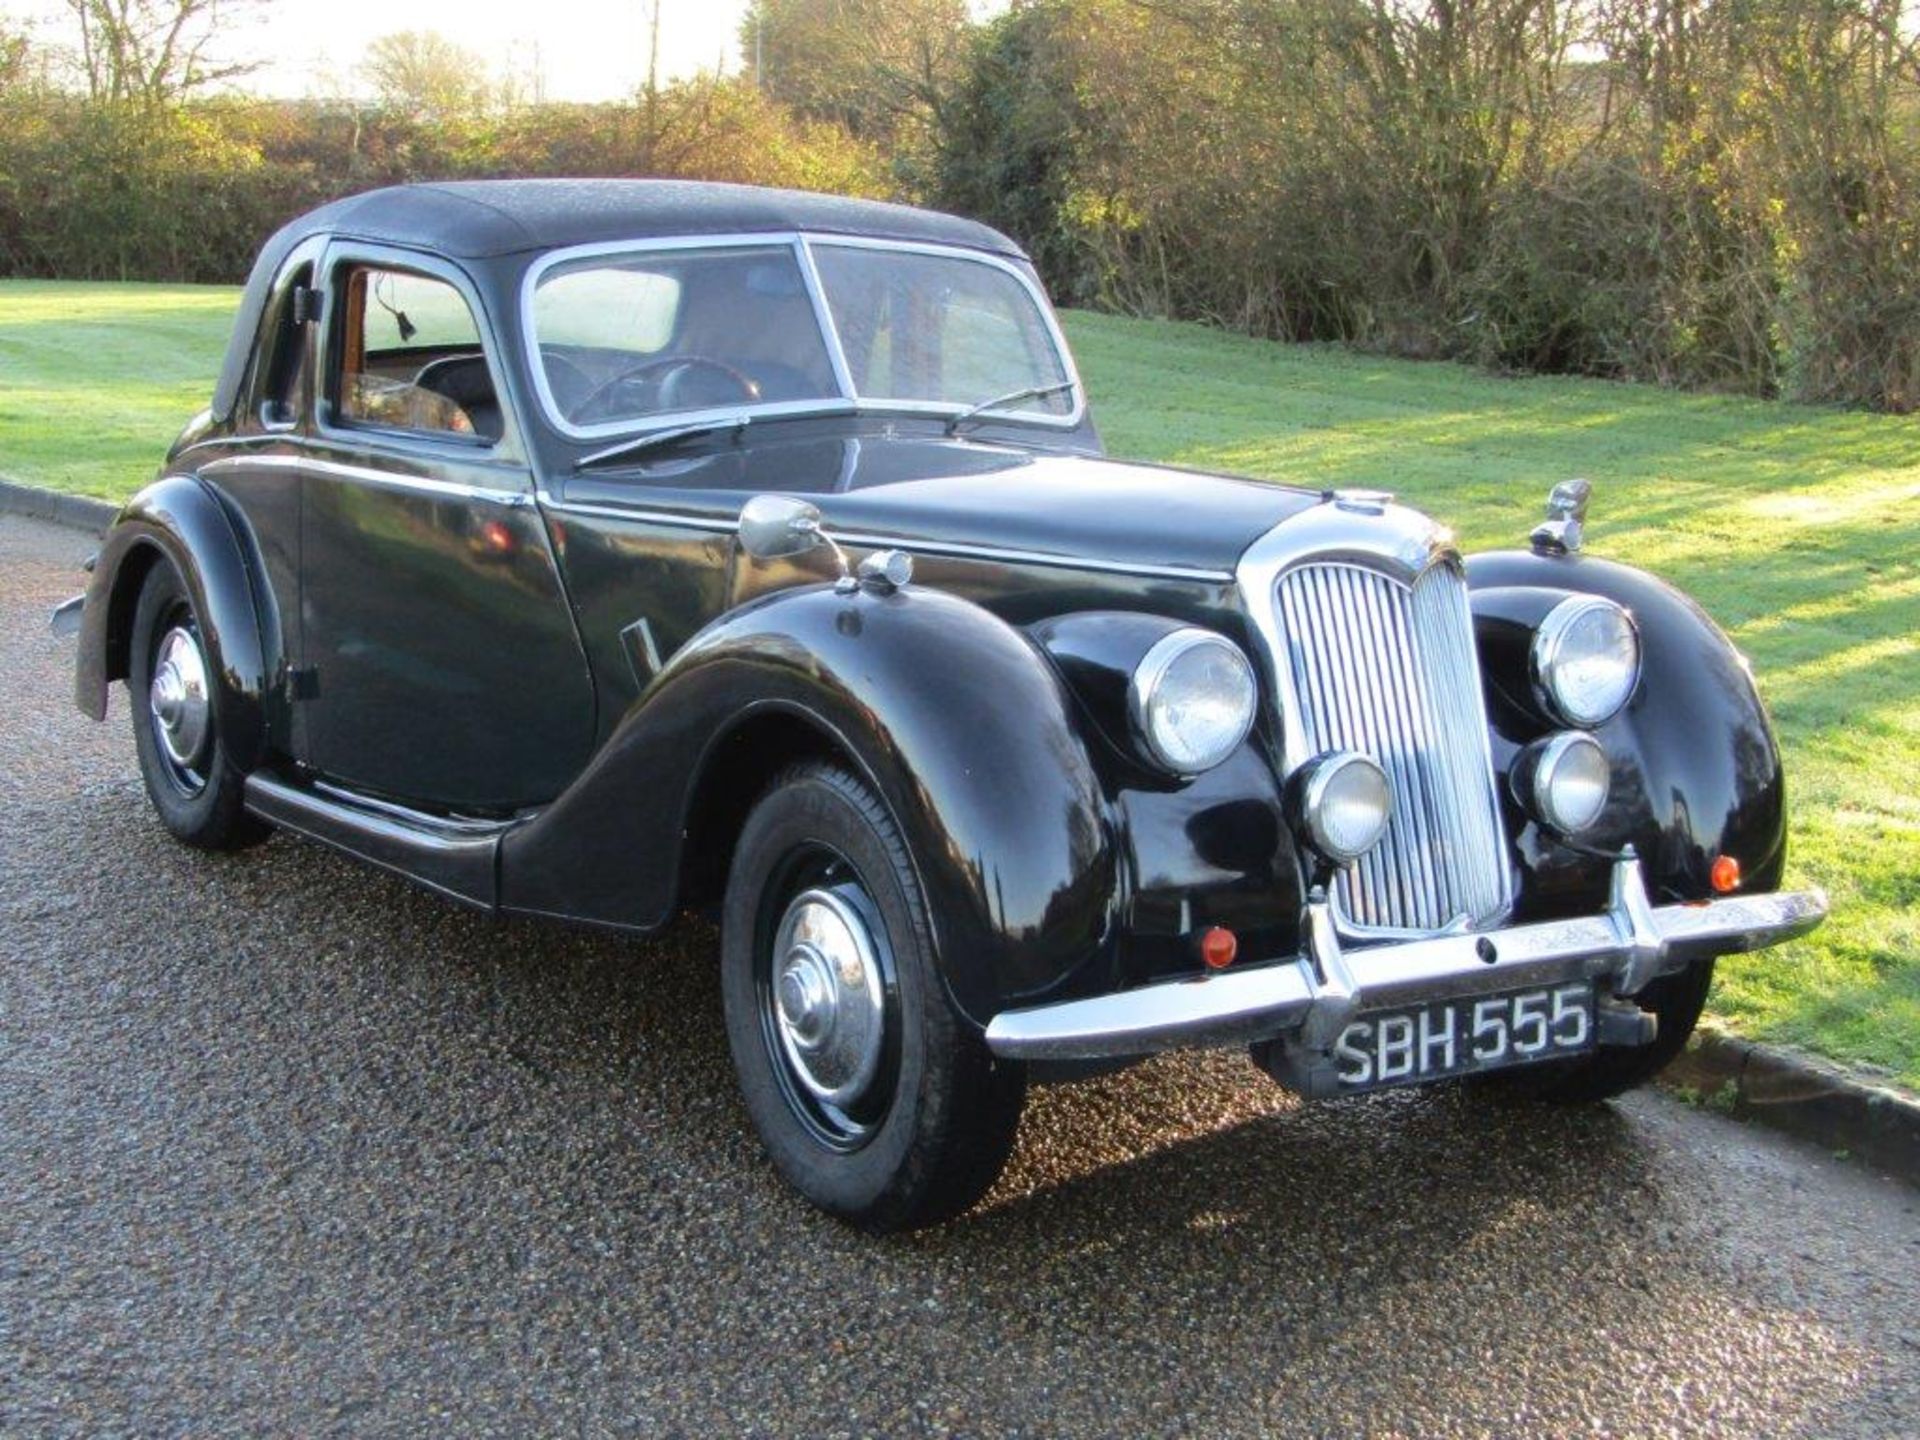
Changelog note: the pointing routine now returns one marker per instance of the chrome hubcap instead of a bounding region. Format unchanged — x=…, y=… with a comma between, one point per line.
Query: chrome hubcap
x=182, y=715
x=829, y=1002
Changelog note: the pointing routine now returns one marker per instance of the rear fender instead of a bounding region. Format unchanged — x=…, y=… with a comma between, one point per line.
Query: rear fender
x=179, y=520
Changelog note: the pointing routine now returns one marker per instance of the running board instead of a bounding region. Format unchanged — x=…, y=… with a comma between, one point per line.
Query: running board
x=458, y=858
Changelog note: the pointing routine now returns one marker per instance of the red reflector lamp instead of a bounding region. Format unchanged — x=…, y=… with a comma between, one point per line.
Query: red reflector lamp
x=1218, y=946
x=1725, y=874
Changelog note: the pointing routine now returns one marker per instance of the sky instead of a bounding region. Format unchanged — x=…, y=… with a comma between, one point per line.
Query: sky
x=586, y=49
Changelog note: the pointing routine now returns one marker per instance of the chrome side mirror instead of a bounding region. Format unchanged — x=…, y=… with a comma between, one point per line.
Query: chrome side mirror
x=775, y=525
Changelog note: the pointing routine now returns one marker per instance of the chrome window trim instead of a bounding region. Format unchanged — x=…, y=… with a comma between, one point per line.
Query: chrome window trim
x=829, y=327
x=365, y=475
x=800, y=243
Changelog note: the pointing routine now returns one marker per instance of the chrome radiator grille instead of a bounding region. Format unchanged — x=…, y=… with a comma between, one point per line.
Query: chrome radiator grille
x=1390, y=670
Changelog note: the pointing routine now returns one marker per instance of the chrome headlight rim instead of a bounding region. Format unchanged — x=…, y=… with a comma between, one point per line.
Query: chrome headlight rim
x=1548, y=758
x=1548, y=655
x=1143, y=688
x=1318, y=776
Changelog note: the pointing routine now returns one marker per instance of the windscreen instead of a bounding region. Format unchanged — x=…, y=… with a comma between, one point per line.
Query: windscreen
x=943, y=329
x=623, y=338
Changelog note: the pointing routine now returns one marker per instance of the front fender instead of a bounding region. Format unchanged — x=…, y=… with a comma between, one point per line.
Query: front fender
x=178, y=518
x=953, y=715
x=1696, y=770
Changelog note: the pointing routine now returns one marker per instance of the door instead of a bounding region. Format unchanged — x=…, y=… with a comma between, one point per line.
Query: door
x=442, y=668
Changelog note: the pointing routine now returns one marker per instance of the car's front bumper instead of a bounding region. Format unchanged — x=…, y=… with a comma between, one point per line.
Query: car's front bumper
x=1309, y=1000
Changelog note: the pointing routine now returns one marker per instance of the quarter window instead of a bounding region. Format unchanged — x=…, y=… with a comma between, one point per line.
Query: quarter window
x=410, y=356
x=282, y=391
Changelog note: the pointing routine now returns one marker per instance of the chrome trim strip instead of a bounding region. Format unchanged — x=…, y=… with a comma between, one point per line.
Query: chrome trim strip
x=800, y=243
x=549, y=501
x=962, y=551
x=443, y=489
x=1314, y=995
x=938, y=548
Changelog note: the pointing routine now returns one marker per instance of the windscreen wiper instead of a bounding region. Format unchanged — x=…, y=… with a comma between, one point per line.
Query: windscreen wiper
x=653, y=439
x=1032, y=392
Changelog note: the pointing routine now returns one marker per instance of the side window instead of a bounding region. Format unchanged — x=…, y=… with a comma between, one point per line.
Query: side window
x=408, y=356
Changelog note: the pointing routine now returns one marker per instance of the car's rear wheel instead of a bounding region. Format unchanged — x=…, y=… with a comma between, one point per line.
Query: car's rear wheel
x=1675, y=1000
x=872, y=1095
x=195, y=788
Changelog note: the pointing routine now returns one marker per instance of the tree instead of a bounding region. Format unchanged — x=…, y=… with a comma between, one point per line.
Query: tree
x=875, y=66
x=155, y=51
x=423, y=74
x=18, y=62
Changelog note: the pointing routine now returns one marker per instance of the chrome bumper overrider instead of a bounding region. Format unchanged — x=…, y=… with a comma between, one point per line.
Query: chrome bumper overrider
x=1309, y=1000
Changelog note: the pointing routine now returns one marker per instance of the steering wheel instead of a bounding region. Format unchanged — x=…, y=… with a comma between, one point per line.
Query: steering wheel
x=466, y=381
x=672, y=368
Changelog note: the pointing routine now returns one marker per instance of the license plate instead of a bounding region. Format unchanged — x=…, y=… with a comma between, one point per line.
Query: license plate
x=1464, y=1037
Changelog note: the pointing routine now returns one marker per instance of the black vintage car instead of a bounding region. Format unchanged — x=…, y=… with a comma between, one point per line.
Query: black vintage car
x=601, y=550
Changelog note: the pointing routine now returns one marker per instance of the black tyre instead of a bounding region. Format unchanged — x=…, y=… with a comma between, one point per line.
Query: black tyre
x=872, y=1095
x=1677, y=1000
x=194, y=786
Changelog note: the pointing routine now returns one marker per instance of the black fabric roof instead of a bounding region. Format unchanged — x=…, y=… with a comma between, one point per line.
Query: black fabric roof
x=482, y=219
x=475, y=218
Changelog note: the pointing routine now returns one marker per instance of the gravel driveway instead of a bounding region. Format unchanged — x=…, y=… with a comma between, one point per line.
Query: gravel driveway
x=289, y=1146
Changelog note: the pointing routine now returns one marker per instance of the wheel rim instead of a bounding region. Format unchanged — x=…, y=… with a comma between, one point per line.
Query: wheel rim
x=179, y=707
x=828, y=1002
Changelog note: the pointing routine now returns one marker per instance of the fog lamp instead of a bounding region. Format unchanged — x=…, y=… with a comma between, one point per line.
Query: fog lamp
x=1344, y=804
x=1566, y=778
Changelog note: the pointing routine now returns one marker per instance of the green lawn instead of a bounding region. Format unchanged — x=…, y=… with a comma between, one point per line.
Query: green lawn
x=1798, y=528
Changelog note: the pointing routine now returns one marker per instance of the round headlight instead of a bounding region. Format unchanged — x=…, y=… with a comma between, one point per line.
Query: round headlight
x=1193, y=697
x=1586, y=660
x=1344, y=803
x=1570, y=779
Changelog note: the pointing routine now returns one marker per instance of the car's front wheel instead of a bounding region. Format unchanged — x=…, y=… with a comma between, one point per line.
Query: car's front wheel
x=193, y=783
x=872, y=1095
